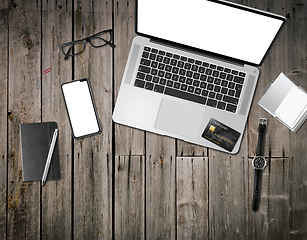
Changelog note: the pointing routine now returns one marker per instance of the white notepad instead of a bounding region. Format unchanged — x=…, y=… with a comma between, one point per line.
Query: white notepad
x=286, y=101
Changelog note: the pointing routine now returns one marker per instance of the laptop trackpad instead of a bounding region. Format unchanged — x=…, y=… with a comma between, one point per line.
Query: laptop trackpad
x=179, y=118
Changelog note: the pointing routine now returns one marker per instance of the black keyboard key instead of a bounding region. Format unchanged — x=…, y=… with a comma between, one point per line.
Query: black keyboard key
x=173, y=62
x=168, y=75
x=217, y=89
x=205, y=64
x=227, y=70
x=224, y=83
x=210, y=87
x=155, y=80
x=205, y=93
x=182, y=72
x=182, y=58
x=242, y=74
x=149, y=86
x=196, y=75
x=154, y=64
x=238, y=79
x=182, y=79
x=153, y=50
x=211, y=102
x=177, y=85
x=203, y=77
x=152, y=56
x=180, y=64
x=183, y=87
x=147, y=49
x=169, y=83
x=215, y=73
x=208, y=71
x=224, y=90
x=197, y=91
x=185, y=95
x=222, y=75
x=154, y=71
x=161, y=66
x=231, y=85
x=231, y=92
x=187, y=66
x=231, y=108
x=139, y=83
x=161, y=74
x=148, y=78
x=231, y=100
x=189, y=81
x=217, y=81
x=159, y=58
x=218, y=96
x=221, y=105
x=220, y=68
x=145, y=55
x=234, y=72
x=161, y=52
x=144, y=69
x=175, y=77
x=168, y=68
x=189, y=74
x=145, y=62
x=140, y=75
x=203, y=85
x=176, y=56
x=190, y=60
x=212, y=94
x=201, y=69
x=159, y=88
x=166, y=60
x=175, y=70
x=196, y=83
x=238, y=90
x=210, y=79
x=162, y=81
x=197, y=62
x=191, y=89
x=212, y=66
x=169, y=54
x=229, y=77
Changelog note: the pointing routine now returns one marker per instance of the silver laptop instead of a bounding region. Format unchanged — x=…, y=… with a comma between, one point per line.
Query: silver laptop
x=191, y=71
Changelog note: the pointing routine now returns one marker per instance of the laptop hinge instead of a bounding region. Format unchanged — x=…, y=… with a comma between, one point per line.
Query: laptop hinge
x=195, y=51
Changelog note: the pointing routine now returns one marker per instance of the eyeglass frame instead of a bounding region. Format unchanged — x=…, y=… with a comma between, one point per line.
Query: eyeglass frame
x=84, y=40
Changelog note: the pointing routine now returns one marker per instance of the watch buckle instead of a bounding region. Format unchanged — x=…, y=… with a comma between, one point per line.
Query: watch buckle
x=263, y=121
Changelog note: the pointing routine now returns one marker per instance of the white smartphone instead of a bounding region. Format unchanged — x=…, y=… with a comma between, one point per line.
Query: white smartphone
x=81, y=108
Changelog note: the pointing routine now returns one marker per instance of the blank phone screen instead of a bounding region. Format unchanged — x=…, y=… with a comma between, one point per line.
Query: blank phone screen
x=80, y=108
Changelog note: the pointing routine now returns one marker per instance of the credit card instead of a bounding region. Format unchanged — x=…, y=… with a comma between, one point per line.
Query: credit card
x=221, y=135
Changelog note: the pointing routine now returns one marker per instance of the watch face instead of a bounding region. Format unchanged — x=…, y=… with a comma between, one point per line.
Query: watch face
x=259, y=162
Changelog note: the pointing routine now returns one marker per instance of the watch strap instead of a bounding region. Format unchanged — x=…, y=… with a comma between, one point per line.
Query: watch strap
x=257, y=190
x=261, y=139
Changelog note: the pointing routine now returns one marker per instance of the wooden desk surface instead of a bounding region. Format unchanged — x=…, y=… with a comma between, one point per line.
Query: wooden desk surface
x=126, y=183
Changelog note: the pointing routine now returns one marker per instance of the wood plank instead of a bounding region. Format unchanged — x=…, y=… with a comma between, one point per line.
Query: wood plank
x=277, y=140
x=56, y=195
x=129, y=197
x=24, y=104
x=160, y=187
x=228, y=194
x=93, y=155
x=192, y=198
x=297, y=70
x=271, y=221
x=3, y=114
x=129, y=141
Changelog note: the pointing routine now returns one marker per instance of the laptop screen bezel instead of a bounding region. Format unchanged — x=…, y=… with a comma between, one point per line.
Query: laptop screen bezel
x=212, y=54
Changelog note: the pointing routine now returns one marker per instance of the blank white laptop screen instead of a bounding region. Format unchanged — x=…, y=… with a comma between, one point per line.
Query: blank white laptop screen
x=211, y=26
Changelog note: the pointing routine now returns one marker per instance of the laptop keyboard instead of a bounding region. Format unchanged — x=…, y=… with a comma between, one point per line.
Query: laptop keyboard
x=190, y=79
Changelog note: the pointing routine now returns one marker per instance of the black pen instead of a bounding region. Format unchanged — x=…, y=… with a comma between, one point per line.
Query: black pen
x=52, y=145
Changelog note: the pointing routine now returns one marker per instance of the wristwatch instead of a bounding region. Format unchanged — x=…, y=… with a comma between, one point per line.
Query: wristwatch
x=259, y=163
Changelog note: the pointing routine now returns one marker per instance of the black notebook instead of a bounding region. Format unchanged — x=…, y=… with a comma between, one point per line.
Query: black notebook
x=35, y=143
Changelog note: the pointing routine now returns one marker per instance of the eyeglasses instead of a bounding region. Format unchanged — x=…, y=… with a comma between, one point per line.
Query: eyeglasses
x=97, y=40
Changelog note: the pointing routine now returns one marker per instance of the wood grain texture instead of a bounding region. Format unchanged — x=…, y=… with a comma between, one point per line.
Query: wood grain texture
x=57, y=195
x=160, y=187
x=127, y=183
x=3, y=114
x=297, y=70
x=129, y=141
x=93, y=155
x=24, y=102
x=129, y=197
x=192, y=198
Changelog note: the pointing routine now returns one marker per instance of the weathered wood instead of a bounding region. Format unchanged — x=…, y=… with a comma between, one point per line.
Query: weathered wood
x=129, y=141
x=24, y=104
x=271, y=221
x=93, y=155
x=129, y=197
x=297, y=70
x=274, y=63
x=3, y=114
x=192, y=198
x=56, y=195
x=228, y=194
x=160, y=187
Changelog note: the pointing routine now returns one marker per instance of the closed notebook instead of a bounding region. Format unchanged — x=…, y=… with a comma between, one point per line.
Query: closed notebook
x=35, y=143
